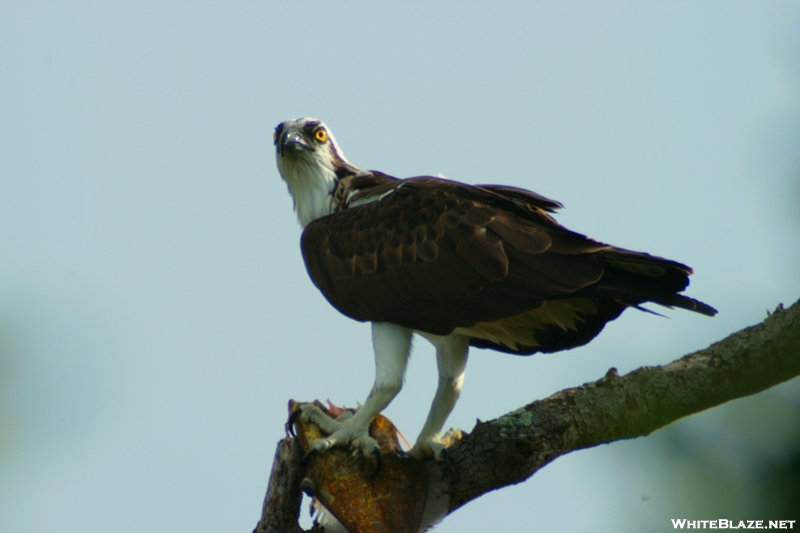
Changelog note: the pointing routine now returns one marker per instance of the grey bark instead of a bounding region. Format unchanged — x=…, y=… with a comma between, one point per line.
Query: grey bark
x=512, y=448
x=281, y=508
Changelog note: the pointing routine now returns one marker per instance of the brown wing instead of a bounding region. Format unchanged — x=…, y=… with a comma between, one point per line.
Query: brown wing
x=436, y=255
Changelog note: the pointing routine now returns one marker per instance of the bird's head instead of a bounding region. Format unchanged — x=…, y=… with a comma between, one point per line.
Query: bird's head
x=311, y=163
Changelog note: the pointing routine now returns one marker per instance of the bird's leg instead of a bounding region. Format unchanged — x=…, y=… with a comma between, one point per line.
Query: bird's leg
x=451, y=358
x=392, y=345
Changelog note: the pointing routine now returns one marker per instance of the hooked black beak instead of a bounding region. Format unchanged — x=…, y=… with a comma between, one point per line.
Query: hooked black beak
x=292, y=142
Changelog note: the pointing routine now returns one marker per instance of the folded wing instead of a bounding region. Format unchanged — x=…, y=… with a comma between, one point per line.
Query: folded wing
x=438, y=256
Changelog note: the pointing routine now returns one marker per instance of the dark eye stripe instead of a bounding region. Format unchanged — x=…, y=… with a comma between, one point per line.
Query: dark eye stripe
x=311, y=126
x=278, y=131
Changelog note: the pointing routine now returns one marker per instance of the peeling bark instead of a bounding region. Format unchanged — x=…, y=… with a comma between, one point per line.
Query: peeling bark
x=512, y=448
x=282, y=504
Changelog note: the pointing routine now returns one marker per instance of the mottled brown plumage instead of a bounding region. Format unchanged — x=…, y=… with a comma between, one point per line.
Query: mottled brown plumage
x=435, y=255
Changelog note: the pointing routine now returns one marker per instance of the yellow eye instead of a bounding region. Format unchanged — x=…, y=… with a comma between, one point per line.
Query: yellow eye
x=321, y=135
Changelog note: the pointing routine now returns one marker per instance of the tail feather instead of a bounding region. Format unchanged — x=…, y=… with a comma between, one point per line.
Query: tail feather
x=635, y=278
x=684, y=302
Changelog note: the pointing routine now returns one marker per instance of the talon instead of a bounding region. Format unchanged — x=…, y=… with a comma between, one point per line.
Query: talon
x=379, y=458
x=297, y=413
x=307, y=457
x=308, y=487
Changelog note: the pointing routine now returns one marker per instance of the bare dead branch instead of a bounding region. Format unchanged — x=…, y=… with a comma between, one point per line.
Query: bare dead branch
x=282, y=504
x=512, y=448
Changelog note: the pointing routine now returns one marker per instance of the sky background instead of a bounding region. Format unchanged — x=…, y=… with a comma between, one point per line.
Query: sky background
x=155, y=313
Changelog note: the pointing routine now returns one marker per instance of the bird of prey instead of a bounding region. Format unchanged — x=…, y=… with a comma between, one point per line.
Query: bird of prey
x=460, y=265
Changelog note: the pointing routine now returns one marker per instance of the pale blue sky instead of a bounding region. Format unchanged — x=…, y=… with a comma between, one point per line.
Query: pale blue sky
x=155, y=314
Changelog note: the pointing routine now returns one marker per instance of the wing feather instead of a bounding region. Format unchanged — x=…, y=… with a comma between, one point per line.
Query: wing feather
x=436, y=255
x=527, y=238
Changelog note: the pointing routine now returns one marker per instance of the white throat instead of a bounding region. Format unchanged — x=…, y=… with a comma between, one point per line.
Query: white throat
x=311, y=185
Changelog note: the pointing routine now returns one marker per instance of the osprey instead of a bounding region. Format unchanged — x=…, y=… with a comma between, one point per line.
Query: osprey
x=460, y=265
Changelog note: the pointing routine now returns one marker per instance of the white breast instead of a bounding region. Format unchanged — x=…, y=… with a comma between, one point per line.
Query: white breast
x=311, y=186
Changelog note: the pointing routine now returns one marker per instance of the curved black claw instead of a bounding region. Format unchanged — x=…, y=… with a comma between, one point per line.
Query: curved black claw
x=379, y=458
x=446, y=458
x=307, y=457
x=292, y=419
x=307, y=486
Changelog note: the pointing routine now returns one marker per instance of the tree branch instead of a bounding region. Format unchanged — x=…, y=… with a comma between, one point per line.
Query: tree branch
x=282, y=504
x=512, y=448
